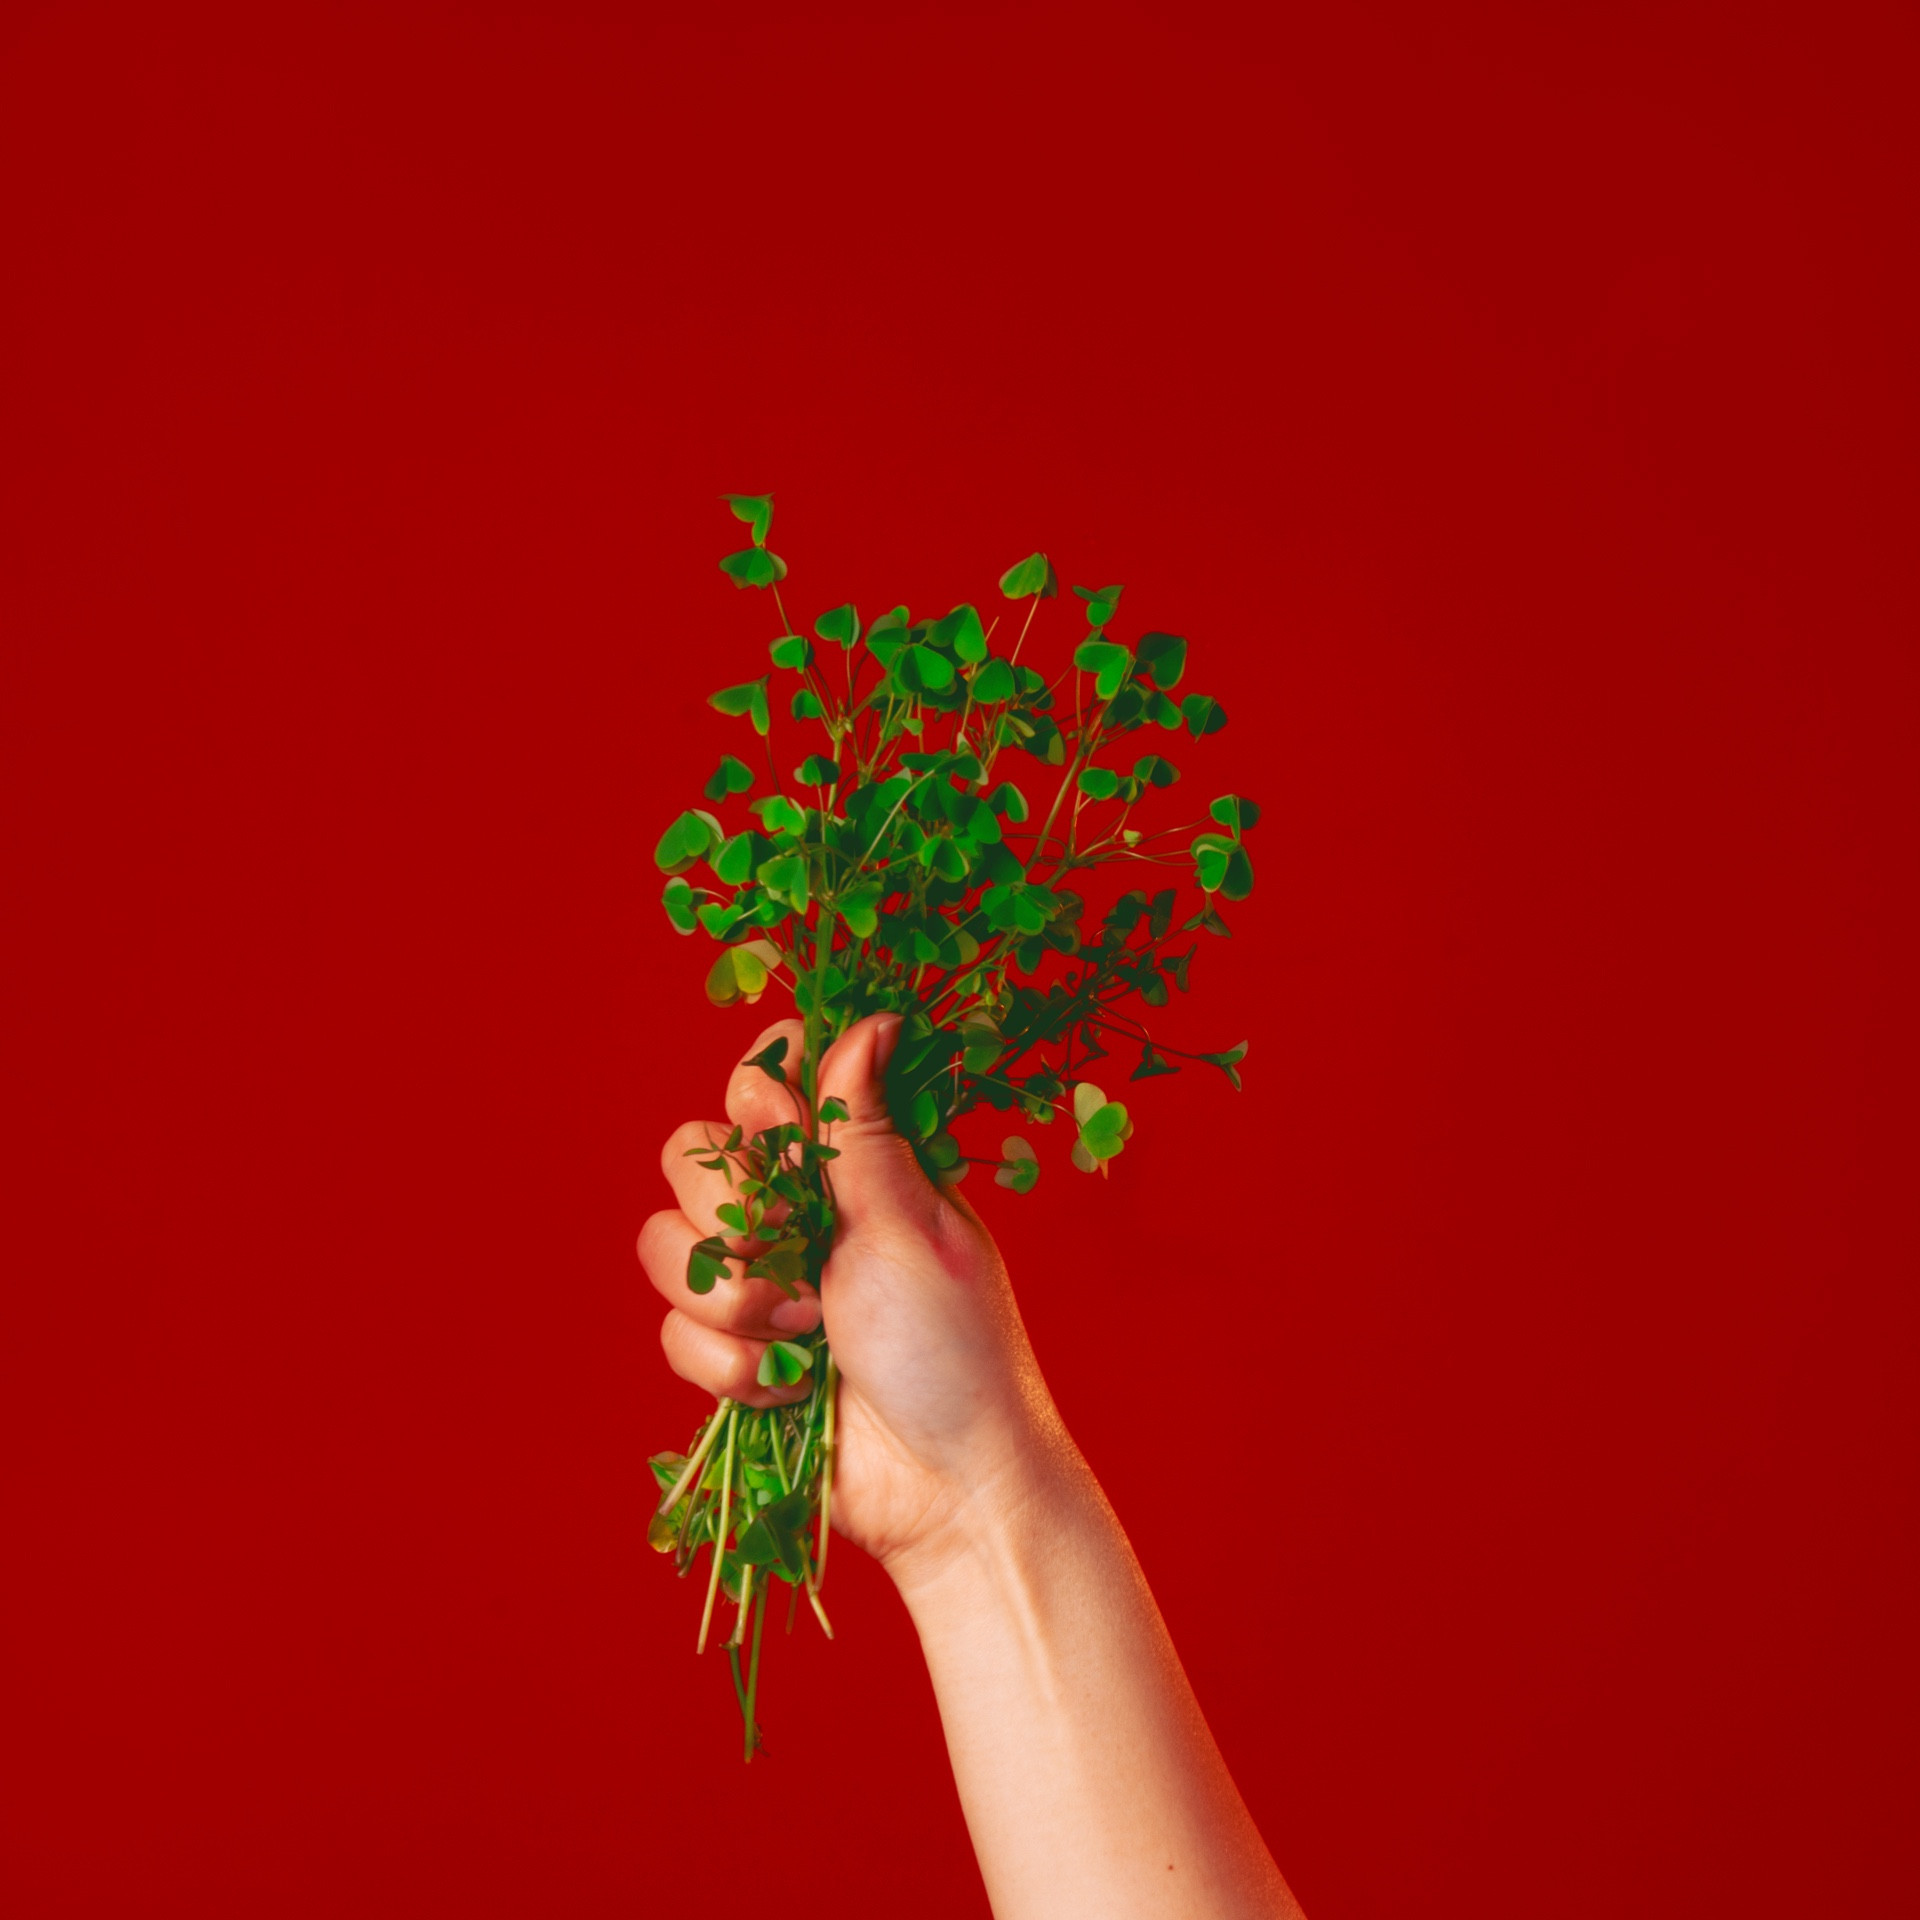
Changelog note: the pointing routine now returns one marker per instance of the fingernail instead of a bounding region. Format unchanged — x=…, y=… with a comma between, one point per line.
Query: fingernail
x=884, y=1037
x=796, y=1316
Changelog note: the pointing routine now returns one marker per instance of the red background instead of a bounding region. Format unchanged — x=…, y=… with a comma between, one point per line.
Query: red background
x=1511, y=1395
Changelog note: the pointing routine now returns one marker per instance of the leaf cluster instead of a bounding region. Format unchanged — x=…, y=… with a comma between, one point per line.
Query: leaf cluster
x=924, y=853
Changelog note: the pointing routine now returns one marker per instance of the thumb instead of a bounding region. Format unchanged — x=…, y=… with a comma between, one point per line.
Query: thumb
x=876, y=1173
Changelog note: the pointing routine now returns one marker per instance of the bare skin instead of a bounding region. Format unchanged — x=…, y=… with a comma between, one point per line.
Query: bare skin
x=1090, y=1783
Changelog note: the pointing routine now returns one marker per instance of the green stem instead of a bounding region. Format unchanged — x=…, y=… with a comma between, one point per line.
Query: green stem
x=831, y=1390
x=720, y=1534
x=708, y=1435
x=753, y=1675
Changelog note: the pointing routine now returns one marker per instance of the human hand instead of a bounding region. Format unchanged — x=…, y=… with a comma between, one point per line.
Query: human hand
x=942, y=1408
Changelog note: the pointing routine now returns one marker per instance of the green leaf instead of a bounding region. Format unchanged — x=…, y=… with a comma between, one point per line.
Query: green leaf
x=749, y=697
x=1236, y=879
x=1211, y=921
x=720, y=921
x=891, y=623
x=1014, y=907
x=706, y=1263
x=731, y=776
x=832, y=1108
x=678, y=901
x=782, y=1526
x=753, y=567
x=810, y=992
x=1104, y=1126
x=806, y=705
x=1162, y=711
x=944, y=857
x=1203, y=713
x=739, y=973
x=814, y=771
x=1163, y=656
x=1020, y=1167
x=1151, y=1064
x=1100, y=603
x=1228, y=1062
x=1032, y=575
x=1153, y=771
x=783, y=1363
x=926, y=1113
x=1008, y=799
x=1236, y=813
x=960, y=632
x=768, y=1060
x=756, y=509
x=994, y=684
x=920, y=669
x=859, y=908
x=784, y=1263
x=785, y=876
x=1099, y=783
x=685, y=841
x=1108, y=661
x=841, y=624
x=735, y=861
x=780, y=814
x=793, y=650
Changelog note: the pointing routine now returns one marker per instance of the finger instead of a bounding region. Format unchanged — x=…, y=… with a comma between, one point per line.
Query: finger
x=755, y=1100
x=726, y=1364
x=736, y=1305
x=876, y=1173
x=701, y=1188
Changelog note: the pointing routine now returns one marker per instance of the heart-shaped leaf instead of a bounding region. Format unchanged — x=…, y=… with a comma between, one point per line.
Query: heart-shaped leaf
x=783, y=1363
x=749, y=697
x=731, y=776
x=706, y=1264
x=1033, y=575
x=994, y=684
x=841, y=624
x=756, y=509
x=1228, y=1062
x=1163, y=656
x=1235, y=812
x=753, y=567
x=685, y=841
x=960, y=633
x=678, y=899
x=1203, y=714
x=1107, y=661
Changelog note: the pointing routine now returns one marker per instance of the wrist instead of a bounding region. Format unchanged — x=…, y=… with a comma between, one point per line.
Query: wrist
x=1036, y=1489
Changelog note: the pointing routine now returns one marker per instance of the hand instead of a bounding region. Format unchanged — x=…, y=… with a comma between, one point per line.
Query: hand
x=942, y=1407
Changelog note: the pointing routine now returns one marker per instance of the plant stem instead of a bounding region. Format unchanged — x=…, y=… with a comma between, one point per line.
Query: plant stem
x=720, y=1536
x=690, y=1472
x=753, y=1674
x=832, y=1390
x=776, y=1449
x=739, y=1635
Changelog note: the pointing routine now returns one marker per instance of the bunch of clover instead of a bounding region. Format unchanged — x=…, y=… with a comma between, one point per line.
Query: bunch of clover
x=899, y=866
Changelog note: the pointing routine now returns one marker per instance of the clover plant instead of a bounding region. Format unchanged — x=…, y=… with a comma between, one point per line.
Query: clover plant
x=872, y=845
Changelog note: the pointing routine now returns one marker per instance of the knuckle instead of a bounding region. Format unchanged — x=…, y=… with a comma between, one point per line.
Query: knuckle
x=680, y=1142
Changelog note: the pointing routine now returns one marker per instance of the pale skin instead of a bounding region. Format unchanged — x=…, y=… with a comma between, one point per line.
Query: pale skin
x=1090, y=1783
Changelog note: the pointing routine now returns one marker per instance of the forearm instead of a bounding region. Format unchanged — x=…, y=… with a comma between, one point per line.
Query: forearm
x=1090, y=1783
